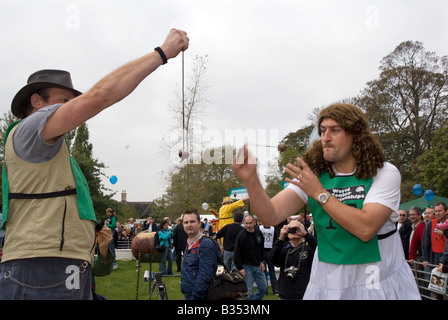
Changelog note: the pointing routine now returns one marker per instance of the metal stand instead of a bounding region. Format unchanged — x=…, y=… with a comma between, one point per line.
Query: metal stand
x=161, y=289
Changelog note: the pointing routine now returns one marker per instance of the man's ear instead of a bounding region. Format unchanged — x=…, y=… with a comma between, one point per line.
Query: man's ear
x=36, y=101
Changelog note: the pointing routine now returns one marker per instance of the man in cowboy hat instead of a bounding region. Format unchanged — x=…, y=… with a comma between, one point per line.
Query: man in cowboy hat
x=48, y=214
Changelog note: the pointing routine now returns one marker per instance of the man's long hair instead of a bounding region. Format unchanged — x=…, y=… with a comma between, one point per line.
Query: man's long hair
x=366, y=147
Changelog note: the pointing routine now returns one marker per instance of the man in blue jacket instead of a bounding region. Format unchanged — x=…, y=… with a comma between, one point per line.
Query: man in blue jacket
x=200, y=260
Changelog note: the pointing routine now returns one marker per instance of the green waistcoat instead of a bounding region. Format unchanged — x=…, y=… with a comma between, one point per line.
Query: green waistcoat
x=337, y=245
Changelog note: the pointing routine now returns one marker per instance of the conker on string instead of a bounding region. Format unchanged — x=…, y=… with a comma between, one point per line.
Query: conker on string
x=281, y=147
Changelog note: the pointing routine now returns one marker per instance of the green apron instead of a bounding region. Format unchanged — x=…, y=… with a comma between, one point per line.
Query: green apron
x=337, y=245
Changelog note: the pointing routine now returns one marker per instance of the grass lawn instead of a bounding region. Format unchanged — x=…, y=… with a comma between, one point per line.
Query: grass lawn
x=121, y=284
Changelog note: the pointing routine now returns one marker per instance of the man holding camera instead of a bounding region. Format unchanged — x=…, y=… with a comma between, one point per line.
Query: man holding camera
x=294, y=259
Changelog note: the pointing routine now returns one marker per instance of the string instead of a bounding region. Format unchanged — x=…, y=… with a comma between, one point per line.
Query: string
x=183, y=103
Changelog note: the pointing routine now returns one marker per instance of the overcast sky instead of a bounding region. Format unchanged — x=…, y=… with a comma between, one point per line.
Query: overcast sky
x=270, y=63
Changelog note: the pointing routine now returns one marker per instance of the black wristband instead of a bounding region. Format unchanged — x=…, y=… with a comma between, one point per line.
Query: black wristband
x=162, y=54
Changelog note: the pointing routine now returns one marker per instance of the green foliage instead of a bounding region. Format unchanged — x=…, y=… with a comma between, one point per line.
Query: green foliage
x=192, y=184
x=407, y=102
x=82, y=150
x=273, y=179
x=121, y=284
x=5, y=122
x=405, y=106
x=433, y=164
x=297, y=143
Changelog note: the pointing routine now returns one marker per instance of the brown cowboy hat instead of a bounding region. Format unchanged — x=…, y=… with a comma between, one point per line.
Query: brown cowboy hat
x=40, y=80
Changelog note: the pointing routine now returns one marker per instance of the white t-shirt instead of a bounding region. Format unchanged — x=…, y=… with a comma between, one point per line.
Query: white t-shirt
x=28, y=142
x=268, y=234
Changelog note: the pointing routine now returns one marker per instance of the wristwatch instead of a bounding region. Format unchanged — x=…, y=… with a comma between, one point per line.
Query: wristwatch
x=323, y=197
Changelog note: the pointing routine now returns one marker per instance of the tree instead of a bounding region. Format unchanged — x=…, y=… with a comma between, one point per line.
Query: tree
x=195, y=99
x=208, y=182
x=407, y=102
x=190, y=103
x=274, y=179
x=5, y=122
x=187, y=110
x=82, y=150
x=297, y=143
x=433, y=164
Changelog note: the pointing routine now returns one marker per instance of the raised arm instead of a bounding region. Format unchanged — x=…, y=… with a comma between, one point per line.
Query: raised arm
x=112, y=88
x=270, y=211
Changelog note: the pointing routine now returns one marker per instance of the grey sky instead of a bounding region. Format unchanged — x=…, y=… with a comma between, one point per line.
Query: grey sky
x=270, y=63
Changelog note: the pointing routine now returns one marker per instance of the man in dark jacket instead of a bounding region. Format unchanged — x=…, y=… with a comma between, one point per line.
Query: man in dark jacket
x=404, y=229
x=248, y=258
x=179, y=242
x=200, y=259
x=229, y=233
x=294, y=259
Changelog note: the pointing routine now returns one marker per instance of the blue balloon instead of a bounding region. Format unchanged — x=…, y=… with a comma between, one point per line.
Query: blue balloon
x=429, y=194
x=113, y=179
x=417, y=189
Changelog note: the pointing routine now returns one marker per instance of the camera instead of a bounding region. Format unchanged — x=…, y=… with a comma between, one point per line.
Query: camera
x=291, y=272
x=158, y=276
x=99, y=225
x=292, y=230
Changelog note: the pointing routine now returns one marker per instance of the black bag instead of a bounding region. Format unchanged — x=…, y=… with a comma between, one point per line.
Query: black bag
x=229, y=285
x=159, y=247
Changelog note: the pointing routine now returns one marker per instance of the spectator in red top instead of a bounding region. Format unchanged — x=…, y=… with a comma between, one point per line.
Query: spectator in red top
x=433, y=244
x=418, y=228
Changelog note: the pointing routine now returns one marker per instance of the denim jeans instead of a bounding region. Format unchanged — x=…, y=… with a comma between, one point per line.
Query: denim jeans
x=112, y=243
x=45, y=279
x=166, y=256
x=253, y=273
x=228, y=260
x=270, y=269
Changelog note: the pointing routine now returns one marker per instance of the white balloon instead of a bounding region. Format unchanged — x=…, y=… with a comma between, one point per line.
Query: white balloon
x=205, y=206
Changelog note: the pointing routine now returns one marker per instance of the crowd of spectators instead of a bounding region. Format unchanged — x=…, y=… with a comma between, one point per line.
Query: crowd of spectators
x=422, y=234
